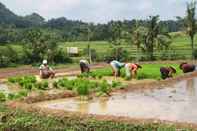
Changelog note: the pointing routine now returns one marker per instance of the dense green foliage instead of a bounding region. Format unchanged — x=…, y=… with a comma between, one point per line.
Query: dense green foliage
x=34, y=122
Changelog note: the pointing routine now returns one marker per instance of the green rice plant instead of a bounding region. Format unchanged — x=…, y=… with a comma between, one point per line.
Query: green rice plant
x=14, y=79
x=11, y=96
x=28, y=86
x=66, y=84
x=55, y=85
x=38, y=85
x=20, y=94
x=115, y=84
x=45, y=85
x=21, y=82
x=2, y=97
x=82, y=89
x=23, y=93
x=93, y=75
x=30, y=79
x=104, y=87
x=42, y=85
x=99, y=76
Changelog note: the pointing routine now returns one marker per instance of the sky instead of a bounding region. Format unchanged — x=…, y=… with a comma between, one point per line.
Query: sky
x=99, y=11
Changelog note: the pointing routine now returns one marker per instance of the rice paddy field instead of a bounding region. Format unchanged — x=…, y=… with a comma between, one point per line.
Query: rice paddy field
x=179, y=49
x=99, y=102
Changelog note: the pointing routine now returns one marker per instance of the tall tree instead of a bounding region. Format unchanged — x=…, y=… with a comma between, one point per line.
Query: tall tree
x=191, y=23
x=150, y=37
x=153, y=31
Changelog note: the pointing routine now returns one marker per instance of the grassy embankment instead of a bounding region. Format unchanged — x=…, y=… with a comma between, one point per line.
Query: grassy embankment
x=17, y=120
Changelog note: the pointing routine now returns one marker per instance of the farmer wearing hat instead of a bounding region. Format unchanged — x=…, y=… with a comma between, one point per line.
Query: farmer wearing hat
x=46, y=71
x=131, y=70
x=167, y=72
x=116, y=66
x=185, y=67
x=84, y=65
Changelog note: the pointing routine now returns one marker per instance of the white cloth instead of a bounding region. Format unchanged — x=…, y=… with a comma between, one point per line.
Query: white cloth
x=127, y=70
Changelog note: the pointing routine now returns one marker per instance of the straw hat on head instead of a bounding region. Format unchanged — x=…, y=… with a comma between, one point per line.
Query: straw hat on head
x=139, y=66
x=173, y=69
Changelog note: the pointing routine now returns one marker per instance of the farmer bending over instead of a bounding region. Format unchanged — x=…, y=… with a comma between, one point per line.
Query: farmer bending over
x=84, y=65
x=116, y=66
x=167, y=72
x=131, y=70
x=45, y=71
x=185, y=67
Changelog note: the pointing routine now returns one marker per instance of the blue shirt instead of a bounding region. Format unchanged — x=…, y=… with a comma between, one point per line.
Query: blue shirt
x=118, y=64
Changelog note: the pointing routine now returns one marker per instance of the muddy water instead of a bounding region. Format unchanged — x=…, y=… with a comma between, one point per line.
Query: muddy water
x=176, y=103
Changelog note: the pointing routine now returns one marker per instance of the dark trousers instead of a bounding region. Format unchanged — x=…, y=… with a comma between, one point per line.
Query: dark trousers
x=84, y=67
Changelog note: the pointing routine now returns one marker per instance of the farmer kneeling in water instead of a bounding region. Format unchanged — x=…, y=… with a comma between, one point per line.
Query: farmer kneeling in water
x=166, y=72
x=84, y=65
x=45, y=71
x=131, y=70
x=185, y=67
x=116, y=66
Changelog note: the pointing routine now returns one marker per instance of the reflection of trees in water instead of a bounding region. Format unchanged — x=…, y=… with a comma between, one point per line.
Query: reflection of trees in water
x=103, y=104
x=83, y=106
x=191, y=87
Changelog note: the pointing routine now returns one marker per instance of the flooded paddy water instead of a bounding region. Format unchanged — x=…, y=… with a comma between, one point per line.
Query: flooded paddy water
x=176, y=103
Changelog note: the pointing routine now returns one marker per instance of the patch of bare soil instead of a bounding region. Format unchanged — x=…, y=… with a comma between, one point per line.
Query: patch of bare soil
x=47, y=95
x=29, y=70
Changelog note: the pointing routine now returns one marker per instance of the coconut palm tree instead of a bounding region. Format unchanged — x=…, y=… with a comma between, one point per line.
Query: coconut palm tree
x=191, y=23
x=150, y=37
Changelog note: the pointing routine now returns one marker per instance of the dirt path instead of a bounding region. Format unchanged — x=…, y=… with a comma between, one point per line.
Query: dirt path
x=29, y=70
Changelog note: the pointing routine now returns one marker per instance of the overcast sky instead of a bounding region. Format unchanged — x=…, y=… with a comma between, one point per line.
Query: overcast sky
x=99, y=11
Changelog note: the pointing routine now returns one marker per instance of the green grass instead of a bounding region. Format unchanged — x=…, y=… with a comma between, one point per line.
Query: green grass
x=148, y=71
x=152, y=71
x=17, y=120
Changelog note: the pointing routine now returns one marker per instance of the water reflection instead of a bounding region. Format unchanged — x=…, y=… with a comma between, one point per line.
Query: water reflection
x=176, y=103
x=190, y=87
x=83, y=106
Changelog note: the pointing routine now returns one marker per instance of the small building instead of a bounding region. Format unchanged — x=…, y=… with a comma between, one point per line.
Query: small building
x=73, y=51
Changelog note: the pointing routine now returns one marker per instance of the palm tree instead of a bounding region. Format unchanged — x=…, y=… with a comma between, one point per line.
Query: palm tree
x=150, y=37
x=153, y=32
x=191, y=23
x=138, y=35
